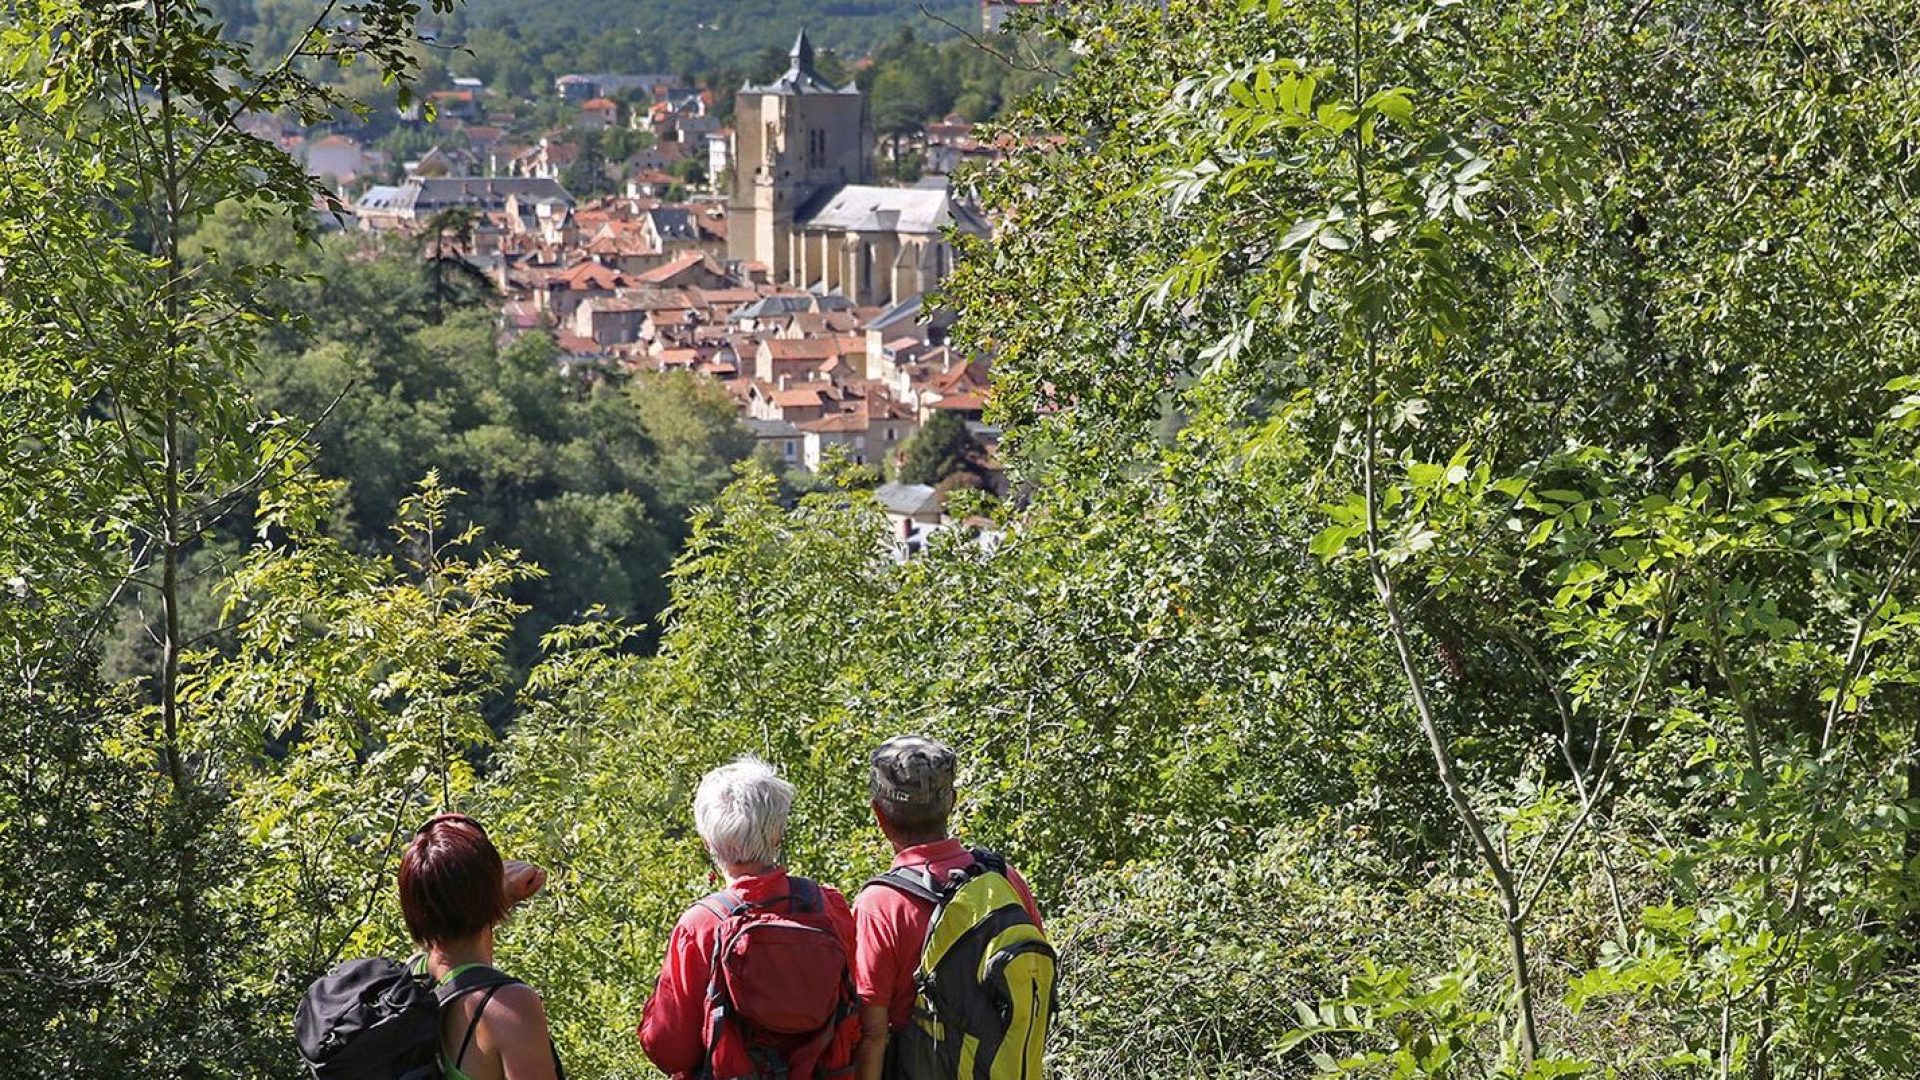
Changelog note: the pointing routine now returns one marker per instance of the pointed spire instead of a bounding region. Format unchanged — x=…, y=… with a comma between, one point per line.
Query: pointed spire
x=801, y=76
x=802, y=54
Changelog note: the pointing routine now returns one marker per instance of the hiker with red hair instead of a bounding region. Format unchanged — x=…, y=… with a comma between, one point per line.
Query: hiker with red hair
x=454, y=889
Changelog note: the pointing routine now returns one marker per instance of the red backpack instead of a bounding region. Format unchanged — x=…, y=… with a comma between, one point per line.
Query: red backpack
x=780, y=1000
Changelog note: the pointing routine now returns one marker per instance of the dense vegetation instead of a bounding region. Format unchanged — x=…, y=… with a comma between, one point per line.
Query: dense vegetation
x=521, y=47
x=689, y=35
x=1459, y=620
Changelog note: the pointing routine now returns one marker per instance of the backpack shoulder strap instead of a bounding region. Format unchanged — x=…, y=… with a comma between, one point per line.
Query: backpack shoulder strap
x=725, y=904
x=467, y=980
x=914, y=881
x=991, y=861
x=473, y=1024
x=803, y=896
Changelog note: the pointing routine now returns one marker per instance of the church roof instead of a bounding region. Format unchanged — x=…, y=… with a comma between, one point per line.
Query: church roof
x=781, y=304
x=865, y=208
x=800, y=77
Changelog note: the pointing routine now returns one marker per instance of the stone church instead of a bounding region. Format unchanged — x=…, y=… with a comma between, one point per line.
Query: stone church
x=802, y=205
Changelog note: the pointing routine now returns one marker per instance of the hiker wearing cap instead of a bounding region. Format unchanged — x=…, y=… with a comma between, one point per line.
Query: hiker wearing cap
x=951, y=961
x=757, y=978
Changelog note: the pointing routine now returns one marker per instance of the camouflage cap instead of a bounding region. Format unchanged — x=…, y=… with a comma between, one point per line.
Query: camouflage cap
x=911, y=770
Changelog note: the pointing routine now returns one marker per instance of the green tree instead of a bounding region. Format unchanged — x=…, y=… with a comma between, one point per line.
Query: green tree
x=1455, y=305
x=444, y=240
x=347, y=713
x=942, y=447
x=127, y=445
x=696, y=436
x=586, y=175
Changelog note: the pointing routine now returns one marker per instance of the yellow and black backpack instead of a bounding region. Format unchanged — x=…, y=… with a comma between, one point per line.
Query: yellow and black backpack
x=985, y=981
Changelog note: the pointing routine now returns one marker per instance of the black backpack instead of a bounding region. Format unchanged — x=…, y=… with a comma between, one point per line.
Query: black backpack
x=379, y=1020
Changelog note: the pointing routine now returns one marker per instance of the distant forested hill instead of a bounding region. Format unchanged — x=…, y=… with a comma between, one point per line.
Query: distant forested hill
x=666, y=34
x=518, y=46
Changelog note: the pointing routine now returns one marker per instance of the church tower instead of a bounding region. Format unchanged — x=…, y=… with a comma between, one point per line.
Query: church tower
x=794, y=140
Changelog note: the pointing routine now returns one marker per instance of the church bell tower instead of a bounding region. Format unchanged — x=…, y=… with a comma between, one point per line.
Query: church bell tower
x=795, y=140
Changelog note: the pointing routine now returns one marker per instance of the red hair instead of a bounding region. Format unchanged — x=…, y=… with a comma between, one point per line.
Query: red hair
x=452, y=882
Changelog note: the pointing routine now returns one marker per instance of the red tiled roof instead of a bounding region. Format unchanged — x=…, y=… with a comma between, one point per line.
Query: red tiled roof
x=799, y=396
x=970, y=375
x=837, y=422
x=574, y=343
x=592, y=275
x=723, y=297
x=679, y=265
x=967, y=402
x=658, y=299
x=820, y=348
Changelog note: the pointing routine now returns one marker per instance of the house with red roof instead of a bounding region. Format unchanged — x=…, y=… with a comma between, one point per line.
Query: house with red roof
x=798, y=359
x=455, y=105
x=599, y=113
x=869, y=428
x=693, y=270
x=563, y=291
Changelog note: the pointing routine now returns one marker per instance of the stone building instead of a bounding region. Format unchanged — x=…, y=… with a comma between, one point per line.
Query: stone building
x=800, y=203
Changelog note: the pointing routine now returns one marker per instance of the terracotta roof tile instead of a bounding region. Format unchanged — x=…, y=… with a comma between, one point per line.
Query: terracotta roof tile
x=820, y=348
x=799, y=397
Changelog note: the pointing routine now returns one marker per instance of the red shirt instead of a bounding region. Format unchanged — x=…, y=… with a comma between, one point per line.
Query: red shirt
x=673, y=1029
x=892, y=928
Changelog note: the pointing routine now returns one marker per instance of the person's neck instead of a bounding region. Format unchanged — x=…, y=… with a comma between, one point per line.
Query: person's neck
x=902, y=843
x=737, y=874
x=444, y=956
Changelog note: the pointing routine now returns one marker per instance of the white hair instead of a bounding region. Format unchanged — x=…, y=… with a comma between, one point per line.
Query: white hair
x=740, y=810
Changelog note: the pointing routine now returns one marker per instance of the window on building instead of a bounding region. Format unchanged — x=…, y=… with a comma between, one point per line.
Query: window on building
x=789, y=448
x=816, y=148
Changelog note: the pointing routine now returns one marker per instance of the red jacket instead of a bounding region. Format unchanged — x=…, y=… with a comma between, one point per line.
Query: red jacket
x=673, y=1027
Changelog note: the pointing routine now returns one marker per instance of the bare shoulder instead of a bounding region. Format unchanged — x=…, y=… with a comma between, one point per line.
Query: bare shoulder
x=517, y=1012
x=517, y=1026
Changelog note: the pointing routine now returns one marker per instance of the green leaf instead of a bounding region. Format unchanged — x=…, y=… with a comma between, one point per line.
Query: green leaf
x=1395, y=104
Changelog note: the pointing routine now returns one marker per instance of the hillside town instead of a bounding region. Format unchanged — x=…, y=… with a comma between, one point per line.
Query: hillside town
x=790, y=277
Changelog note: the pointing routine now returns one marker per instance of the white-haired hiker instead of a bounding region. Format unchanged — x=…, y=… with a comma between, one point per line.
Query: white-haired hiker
x=756, y=980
